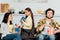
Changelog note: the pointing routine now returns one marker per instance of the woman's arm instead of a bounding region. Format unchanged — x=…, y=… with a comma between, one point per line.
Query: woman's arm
x=28, y=22
x=2, y=28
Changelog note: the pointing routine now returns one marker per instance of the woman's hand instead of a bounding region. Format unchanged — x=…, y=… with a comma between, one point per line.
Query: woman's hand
x=17, y=25
x=21, y=21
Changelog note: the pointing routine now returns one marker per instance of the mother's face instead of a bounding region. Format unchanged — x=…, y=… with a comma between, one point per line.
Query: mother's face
x=10, y=17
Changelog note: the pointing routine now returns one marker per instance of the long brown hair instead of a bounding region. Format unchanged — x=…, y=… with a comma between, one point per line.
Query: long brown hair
x=29, y=10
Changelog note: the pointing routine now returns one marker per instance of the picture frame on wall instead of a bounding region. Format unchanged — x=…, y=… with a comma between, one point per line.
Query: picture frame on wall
x=4, y=7
x=7, y=7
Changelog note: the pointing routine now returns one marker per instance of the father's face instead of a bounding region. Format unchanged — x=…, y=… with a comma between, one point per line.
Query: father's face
x=49, y=14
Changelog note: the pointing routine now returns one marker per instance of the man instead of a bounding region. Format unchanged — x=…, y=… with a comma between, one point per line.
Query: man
x=47, y=26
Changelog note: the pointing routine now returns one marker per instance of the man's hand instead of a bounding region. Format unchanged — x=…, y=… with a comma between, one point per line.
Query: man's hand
x=41, y=27
x=50, y=31
x=57, y=31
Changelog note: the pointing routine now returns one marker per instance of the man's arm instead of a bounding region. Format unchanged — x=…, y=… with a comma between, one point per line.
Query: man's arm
x=40, y=26
x=58, y=26
x=57, y=31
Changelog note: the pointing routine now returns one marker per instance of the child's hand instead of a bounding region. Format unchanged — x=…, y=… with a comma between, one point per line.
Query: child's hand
x=17, y=25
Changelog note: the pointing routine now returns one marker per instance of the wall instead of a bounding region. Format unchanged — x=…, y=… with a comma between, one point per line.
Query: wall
x=54, y=4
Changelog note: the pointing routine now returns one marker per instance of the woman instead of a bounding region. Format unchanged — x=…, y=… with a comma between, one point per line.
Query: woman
x=8, y=28
x=28, y=25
